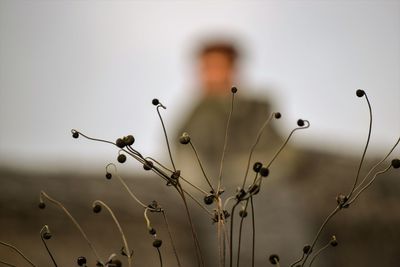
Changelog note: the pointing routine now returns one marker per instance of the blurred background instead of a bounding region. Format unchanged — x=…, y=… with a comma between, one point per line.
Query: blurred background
x=96, y=66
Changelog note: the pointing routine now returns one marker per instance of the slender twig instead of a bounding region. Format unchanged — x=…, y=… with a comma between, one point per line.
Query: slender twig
x=43, y=194
x=128, y=252
x=231, y=234
x=318, y=253
x=201, y=165
x=365, y=148
x=45, y=245
x=225, y=144
x=299, y=260
x=7, y=264
x=260, y=132
x=253, y=223
x=165, y=134
x=170, y=238
x=18, y=251
x=159, y=256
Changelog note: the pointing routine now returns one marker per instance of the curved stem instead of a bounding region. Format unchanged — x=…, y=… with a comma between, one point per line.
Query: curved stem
x=365, y=148
x=159, y=256
x=45, y=245
x=165, y=134
x=18, y=251
x=170, y=238
x=43, y=194
x=253, y=222
x=201, y=165
x=260, y=132
x=7, y=264
x=231, y=235
x=317, y=254
x=128, y=252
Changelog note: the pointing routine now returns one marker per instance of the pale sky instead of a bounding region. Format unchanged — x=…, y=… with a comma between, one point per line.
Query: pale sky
x=96, y=66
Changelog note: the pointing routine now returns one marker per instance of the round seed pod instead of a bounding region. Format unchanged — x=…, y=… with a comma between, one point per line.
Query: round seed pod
x=152, y=231
x=333, y=241
x=234, y=90
x=360, y=93
x=243, y=213
x=396, y=163
x=46, y=235
x=274, y=259
x=148, y=165
x=300, y=123
x=264, y=172
x=75, y=134
x=184, y=138
x=42, y=205
x=278, y=115
x=129, y=140
x=121, y=158
x=108, y=175
x=155, y=102
x=120, y=143
x=157, y=243
x=307, y=249
x=208, y=200
x=257, y=166
x=97, y=208
x=81, y=261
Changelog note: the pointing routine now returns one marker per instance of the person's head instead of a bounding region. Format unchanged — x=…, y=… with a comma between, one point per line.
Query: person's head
x=217, y=65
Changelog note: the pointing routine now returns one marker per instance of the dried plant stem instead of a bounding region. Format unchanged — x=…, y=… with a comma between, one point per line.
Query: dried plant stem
x=171, y=239
x=253, y=222
x=240, y=234
x=318, y=253
x=201, y=166
x=225, y=144
x=45, y=245
x=159, y=256
x=231, y=234
x=128, y=252
x=365, y=148
x=18, y=251
x=166, y=136
x=7, y=264
x=330, y=216
x=43, y=194
x=199, y=255
x=260, y=132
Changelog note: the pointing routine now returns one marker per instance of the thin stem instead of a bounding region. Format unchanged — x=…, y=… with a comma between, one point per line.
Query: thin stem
x=170, y=238
x=253, y=223
x=365, y=148
x=260, y=132
x=297, y=261
x=240, y=235
x=231, y=235
x=199, y=255
x=128, y=252
x=18, y=251
x=165, y=134
x=198, y=203
x=159, y=256
x=369, y=184
x=125, y=185
x=376, y=165
x=317, y=253
x=201, y=165
x=330, y=216
x=7, y=264
x=45, y=245
x=225, y=144
x=43, y=194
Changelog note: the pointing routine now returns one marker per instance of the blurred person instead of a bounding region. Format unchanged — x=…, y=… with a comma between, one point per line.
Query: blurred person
x=217, y=65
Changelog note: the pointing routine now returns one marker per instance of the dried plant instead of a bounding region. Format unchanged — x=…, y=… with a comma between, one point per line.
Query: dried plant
x=224, y=207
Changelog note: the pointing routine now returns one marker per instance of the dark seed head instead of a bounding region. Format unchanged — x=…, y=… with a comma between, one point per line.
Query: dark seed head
x=257, y=166
x=129, y=140
x=300, y=123
x=121, y=158
x=148, y=165
x=97, y=208
x=108, y=175
x=157, y=243
x=360, y=93
x=42, y=205
x=81, y=261
x=155, y=102
x=278, y=115
x=234, y=90
x=75, y=134
x=184, y=138
x=176, y=174
x=243, y=213
x=120, y=143
x=46, y=235
x=396, y=163
x=274, y=259
x=264, y=172
x=307, y=249
x=209, y=199
x=152, y=231
x=333, y=241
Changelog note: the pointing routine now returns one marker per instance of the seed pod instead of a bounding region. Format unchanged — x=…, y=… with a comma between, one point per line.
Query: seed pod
x=209, y=199
x=42, y=205
x=243, y=213
x=274, y=259
x=234, y=90
x=264, y=172
x=157, y=243
x=120, y=143
x=108, y=175
x=129, y=140
x=184, y=138
x=300, y=122
x=97, y=208
x=155, y=102
x=396, y=163
x=360, y=93
x=278, y=115
x=121, y=158
x=257, y=166
x=81, y=261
